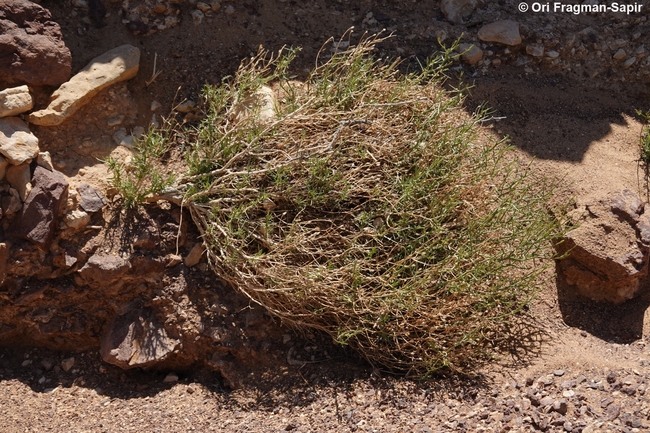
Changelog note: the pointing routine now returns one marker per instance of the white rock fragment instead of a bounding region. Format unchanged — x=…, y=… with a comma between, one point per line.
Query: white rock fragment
x=118, y=64
x=503, y=32
x=261, y=104
x=629, y=62
x=77, y=219
x=15, y=100
x=17, y=143
x=553, y=54
x=229, y=10
x=44, y=159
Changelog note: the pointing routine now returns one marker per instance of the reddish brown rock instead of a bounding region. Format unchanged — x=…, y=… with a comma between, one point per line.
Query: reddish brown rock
x=41, y=211
x=104, y=269
x=32, y=50
x=606, y=255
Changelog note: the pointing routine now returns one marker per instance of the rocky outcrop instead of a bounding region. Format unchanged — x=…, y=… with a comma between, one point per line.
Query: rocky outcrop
x=118, y=64
x=32, y=50
x=42, y=209
x=15, y=100
x=607, y=255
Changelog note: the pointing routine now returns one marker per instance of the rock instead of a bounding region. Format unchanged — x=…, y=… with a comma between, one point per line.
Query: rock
x=118, y=64
x=12, y=203
x=3, y=166
x=215, y=5
x=605, y=257
x=4, y=256
x=612, y=412
x=18, y=177
x=77, y=219
x=67, y=364
x=170, y=378
x=456, y=10
x=91, y=199
x=620, y=54
x=629, y=62
x=535, y=50
x=560, y=406
x=197, y=17
x=627, y=205
x=203, y=7
x=186, y=107
x=136, y=339
x=470, y=53
x=15, y=100
x=32, y=50
x=194, y=257
x=503, y=32
x=17, y=143
x=42, y=208
x=45, y=160
x=104, y=269
x=261, y=105
x=553, y=54
x=546, y=401
x=229, y=10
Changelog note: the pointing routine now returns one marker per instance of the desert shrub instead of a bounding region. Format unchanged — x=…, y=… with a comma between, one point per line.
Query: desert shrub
x=372, y=209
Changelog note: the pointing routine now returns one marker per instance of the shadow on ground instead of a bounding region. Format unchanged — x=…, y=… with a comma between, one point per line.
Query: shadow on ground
x=622, y=324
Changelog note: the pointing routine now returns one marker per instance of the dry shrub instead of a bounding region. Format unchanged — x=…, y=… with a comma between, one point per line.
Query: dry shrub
x=369, y=210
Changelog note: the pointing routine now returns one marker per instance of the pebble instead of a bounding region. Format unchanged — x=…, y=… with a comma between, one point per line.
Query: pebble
x=229, y=10
x=67, y=364
x=620, y=54
x=170, y=378
x=559, y=373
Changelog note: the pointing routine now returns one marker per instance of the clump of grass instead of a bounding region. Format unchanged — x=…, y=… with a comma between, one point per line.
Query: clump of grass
x=144, y=175
x=370, y=209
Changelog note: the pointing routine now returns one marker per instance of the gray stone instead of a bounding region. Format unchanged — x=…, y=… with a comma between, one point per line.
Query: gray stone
x=17, y=143
x=104, y=269
x=627, y=205
x=503, y=32
x=118, y=64
x=470, y=53
x=457, y=10
x=42, y=209
x=15, y=100
x=91, y=200
x=136, y=339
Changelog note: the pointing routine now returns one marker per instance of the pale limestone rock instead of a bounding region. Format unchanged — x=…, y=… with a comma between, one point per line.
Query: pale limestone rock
x=15, y=101
x=261, y=105
x=18, y=177
x=17, y=143
x=45, y=160
x=118, y=64
x=470, y=53
x=456, y=10
x=77, y=219
x=503, y=32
